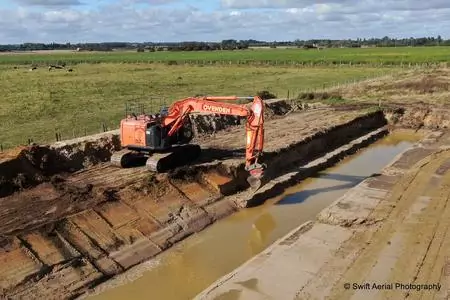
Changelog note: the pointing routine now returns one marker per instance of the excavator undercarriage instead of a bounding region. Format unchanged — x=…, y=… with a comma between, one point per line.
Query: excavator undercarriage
x=159, y=162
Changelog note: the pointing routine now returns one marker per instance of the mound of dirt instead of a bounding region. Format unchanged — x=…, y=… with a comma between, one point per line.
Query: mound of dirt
x=437, y=118
x=25, y=167
x=280, y=108
x=419, y=117
x=210, y=124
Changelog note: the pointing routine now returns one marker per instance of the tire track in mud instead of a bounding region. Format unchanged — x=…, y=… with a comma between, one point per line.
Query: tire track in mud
x=395, y=249
x=421, y=233
x=434, y=265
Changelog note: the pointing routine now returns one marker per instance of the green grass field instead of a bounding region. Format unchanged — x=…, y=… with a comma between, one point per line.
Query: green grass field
x=371, y=56
x=37, y=104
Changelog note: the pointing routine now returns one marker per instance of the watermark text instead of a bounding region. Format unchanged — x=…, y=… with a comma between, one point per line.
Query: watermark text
x=393, y=286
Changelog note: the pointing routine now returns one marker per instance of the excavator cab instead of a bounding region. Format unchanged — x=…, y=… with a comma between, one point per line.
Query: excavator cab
x=145, y=140
x=145, y=133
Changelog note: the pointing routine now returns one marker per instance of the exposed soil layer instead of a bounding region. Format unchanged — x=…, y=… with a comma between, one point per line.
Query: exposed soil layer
x=387, y=238
x=26, y=167
x=68, y=220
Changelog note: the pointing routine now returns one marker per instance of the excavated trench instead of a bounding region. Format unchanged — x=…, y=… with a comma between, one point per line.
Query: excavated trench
x=69, y=221
x=191, y=266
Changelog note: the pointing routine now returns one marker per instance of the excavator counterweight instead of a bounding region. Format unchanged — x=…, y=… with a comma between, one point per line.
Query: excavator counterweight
x=161, y=141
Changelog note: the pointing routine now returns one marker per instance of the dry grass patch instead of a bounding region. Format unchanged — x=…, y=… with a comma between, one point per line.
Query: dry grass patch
x=431, y=86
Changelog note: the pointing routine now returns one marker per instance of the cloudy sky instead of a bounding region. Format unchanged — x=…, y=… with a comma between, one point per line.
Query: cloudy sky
x=214, y=20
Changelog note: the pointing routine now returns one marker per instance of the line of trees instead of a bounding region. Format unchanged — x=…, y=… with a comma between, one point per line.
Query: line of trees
x=230, y=44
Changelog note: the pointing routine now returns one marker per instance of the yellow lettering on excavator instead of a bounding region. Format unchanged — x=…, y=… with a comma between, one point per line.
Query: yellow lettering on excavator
x=216, y=109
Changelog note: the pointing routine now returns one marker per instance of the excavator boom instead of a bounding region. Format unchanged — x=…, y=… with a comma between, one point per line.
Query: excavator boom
x=254, y=126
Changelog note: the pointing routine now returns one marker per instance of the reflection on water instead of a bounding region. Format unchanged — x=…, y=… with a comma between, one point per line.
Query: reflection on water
x=189, y=267
x=260, y=232
x=345, y=182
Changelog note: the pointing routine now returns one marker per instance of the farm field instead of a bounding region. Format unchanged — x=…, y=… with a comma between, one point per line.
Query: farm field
x=35, y=105
x=372, y=56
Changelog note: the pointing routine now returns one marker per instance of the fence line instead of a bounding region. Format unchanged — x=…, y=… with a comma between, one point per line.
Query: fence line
x=335, y=85
x=246, y=62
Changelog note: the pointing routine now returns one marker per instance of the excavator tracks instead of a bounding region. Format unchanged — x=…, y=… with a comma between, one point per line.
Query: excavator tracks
x=127, y=158
x=119, y=159
x=177, y=157
x=157, y=162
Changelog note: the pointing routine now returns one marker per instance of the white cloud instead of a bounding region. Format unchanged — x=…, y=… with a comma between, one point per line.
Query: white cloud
x=358, y=5
x=61, y=16
x=49, y=2
x=286, y=20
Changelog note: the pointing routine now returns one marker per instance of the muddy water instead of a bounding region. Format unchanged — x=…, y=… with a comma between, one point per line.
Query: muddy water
x=189, y=267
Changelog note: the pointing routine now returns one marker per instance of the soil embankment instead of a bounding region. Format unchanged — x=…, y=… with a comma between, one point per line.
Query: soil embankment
x=69, y=221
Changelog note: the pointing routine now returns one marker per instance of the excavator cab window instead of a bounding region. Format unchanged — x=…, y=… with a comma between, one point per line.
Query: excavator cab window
x=164, y=111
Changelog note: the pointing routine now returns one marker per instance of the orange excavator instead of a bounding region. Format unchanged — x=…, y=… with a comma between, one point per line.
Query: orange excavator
x=162, y=140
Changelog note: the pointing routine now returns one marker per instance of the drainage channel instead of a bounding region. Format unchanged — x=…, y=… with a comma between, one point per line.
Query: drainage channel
x=191, y=266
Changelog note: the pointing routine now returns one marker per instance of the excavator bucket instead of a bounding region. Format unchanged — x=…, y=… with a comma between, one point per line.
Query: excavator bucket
x=254, y=180
x=255, y=183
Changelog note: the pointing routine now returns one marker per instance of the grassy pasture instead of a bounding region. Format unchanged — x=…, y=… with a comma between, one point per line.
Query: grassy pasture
x=333, y=56
x=35, y=105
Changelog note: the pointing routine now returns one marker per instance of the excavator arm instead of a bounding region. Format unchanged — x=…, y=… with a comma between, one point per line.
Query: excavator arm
x=254, y=112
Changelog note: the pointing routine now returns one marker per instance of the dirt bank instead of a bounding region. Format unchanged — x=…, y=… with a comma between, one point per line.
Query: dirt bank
x=26, y=167
x=360, y=246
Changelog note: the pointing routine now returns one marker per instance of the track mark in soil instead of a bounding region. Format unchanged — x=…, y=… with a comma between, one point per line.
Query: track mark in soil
x=393, y=234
